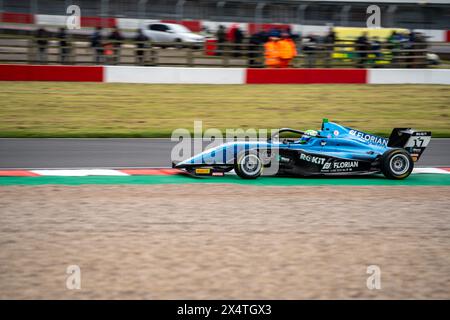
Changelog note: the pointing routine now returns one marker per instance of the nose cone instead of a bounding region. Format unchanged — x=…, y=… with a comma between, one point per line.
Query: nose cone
x=211, y=156
x=181, y=164
x=175, y=164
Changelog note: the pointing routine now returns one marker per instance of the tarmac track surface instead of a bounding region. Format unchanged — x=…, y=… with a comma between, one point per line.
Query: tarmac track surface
x=125, y=153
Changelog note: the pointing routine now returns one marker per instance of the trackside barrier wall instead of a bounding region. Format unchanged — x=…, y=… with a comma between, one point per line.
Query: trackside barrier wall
x=175, y=75
x=178, y=75
x=306, y=76
x=418, y=76
x=11, y=72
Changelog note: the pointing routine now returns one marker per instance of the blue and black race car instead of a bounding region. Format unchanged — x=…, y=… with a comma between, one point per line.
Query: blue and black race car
x=332, y=150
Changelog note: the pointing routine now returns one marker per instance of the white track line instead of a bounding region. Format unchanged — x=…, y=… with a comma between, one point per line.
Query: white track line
x=430, y=170
x=80, y=173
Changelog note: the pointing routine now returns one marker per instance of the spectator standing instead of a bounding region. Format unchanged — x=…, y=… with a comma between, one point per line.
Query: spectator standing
x=255, y=42
x=42, y=43
x=96, y=43
x=64, y=50
x=271, y=52
x=375, y=49
x=419, y=54
x=286, y=49
x=310, y=48
x=116, y=38
x=330, y=40
x=140, y=39
x=221, y=39
x=409, y=46
x=394, y=43
x=238, y=39
x=230, y=33
x=362, y=46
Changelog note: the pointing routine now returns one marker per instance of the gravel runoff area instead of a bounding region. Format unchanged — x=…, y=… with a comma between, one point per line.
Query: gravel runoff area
x=224, y=241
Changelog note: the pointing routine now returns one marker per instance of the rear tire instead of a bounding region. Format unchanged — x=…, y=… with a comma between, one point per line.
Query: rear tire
x=248, y=165
x=396, y=164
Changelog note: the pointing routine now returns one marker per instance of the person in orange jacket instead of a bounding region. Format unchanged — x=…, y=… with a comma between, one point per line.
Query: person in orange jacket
x=287, y=50
x=271, y=52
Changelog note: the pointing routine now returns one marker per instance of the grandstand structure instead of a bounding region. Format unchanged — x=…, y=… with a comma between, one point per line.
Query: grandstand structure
x=410, y=14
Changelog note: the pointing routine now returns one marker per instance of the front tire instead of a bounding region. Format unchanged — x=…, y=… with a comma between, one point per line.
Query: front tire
x=178, y=43
x=396, y=164
x=248, y=165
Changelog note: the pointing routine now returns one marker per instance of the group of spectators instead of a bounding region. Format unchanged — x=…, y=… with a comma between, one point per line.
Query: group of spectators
x=402, y=49
x=104, y=47
x=279, y=50
x=277, y=47
x=110, y=46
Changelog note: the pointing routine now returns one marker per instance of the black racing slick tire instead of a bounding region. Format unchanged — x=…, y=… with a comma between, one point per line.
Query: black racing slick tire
x=396, y=164
x=248, y=165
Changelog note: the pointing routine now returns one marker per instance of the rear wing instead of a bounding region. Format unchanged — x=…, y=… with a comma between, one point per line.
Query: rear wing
x=411, y=140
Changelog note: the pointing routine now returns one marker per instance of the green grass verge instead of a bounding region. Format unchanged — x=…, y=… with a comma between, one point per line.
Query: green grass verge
x=377, y=180
x=58, y=109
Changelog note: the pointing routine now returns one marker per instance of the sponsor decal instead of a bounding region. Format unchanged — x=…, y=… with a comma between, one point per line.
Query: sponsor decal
x=340, y=166
x=202, y=171
x=345, y=164
x=312, y=159
x=336, y=133
x=369, y=138
x=422, y=133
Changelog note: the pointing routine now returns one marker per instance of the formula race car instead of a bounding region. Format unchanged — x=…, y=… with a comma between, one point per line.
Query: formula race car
x=333, y=150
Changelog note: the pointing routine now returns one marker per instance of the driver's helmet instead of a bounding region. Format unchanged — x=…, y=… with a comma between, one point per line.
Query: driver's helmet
x=307, y=135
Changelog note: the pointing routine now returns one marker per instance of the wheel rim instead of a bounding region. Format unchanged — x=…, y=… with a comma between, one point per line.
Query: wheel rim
x=250, y=164
x=399, y=164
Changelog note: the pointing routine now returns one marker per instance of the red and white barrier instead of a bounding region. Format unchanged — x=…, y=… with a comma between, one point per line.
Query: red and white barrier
x=178, y=75
x=174, y=75
x=408, y=76
x=302, y=76
x=434, y=35
x=13, y=17
x=11, y=72
x=51, y=20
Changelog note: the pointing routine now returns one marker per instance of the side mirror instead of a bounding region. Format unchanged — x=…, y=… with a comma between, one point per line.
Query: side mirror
x=169, y=31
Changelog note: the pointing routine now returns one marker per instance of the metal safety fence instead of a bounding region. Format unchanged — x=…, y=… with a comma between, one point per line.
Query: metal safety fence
x=52, y=50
